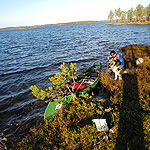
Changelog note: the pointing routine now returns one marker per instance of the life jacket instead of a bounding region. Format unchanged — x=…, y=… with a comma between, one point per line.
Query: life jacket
x=117, y=56
x=76, y=85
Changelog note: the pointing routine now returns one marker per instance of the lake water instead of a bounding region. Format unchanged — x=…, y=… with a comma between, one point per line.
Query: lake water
x=29, y=57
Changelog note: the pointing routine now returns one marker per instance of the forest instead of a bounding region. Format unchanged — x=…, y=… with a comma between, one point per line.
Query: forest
x=139, y=13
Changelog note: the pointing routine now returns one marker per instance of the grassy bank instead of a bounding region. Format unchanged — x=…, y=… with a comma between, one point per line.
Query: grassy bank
x=129, y=23
x=72, y=127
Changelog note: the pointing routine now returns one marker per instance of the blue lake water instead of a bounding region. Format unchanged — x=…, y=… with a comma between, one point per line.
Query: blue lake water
x=30, y=56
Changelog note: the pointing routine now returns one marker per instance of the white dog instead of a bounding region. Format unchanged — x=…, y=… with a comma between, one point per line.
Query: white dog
x=130, y=66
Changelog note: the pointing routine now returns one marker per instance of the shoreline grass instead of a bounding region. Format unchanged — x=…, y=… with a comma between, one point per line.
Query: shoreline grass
x=129, y=23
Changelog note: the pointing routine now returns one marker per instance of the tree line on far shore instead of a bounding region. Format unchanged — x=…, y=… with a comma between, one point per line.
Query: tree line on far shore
x=140, y=13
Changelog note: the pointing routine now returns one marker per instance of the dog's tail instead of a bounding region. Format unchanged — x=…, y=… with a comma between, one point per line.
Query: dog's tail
x=139, y=61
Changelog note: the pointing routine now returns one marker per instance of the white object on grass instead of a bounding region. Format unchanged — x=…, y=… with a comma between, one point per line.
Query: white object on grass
x=58, y=106
x=101, y=124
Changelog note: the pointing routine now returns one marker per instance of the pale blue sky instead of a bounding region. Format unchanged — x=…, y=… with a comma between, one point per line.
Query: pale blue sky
x=39, y=12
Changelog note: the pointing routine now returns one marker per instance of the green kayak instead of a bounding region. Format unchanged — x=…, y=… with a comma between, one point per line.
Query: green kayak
x=90, y=77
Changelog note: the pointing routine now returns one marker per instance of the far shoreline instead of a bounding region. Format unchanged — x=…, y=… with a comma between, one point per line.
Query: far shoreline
x=58, y=24
x=77, y=22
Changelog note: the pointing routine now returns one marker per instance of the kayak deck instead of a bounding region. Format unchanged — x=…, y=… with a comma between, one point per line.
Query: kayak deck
x=54, y=106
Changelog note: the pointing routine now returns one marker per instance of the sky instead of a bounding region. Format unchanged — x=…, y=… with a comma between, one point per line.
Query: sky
x=14, y=13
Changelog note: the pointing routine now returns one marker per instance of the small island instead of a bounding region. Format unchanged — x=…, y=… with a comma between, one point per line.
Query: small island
x=129, y=23
x=138, y=15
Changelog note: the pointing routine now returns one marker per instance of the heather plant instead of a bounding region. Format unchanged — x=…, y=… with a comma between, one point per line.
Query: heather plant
x=130, y=100
x=70, y=128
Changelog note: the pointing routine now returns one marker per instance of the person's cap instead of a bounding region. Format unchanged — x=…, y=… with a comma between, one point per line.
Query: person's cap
x=113, y=52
